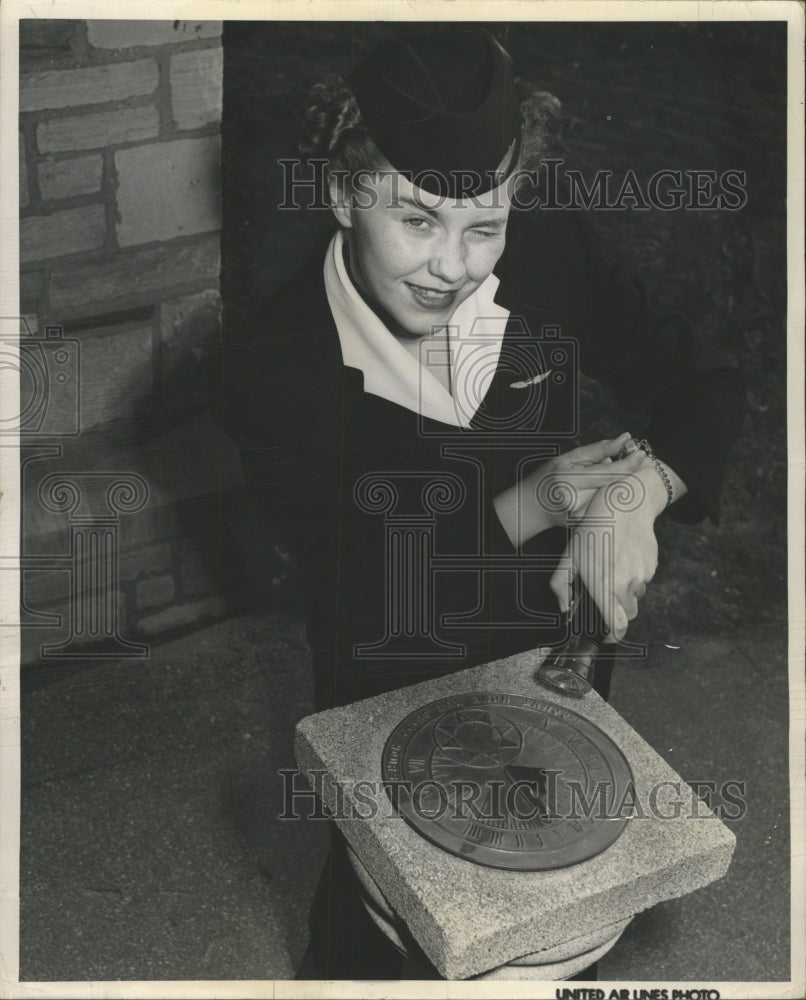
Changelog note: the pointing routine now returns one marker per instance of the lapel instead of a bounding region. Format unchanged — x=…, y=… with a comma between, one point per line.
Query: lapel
x=535, y=387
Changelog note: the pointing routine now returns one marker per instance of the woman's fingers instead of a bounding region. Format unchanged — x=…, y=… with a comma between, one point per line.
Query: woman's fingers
x=625, y=602
x=599, y=450
x=561, y=580
x=576, y=561
x=592, y=476
x=565, y=484
x=620, y=625
x=629, y=603
x=630, y=463
x=614, y=616
x=618, y=607
x=614, y=560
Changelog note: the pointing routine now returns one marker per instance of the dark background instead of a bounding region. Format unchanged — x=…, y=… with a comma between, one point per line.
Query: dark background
x=639, y=96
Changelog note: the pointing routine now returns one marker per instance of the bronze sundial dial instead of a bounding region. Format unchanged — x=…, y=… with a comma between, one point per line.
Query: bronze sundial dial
x=507, y=781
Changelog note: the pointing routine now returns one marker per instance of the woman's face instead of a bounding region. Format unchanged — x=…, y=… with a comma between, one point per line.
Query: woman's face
x=415, y=256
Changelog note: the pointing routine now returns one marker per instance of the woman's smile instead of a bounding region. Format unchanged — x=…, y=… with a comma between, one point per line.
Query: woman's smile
x=433, y=299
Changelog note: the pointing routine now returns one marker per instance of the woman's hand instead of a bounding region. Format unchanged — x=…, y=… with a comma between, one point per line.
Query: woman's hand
x=614, y=550
x=563, y=487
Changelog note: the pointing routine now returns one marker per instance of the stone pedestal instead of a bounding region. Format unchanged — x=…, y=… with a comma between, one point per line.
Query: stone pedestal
x=472, y=920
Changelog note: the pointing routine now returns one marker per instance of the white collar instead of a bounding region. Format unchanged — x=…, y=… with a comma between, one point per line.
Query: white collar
x=475, y=332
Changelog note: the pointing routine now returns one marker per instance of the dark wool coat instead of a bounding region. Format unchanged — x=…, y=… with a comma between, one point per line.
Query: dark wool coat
x=406, y=569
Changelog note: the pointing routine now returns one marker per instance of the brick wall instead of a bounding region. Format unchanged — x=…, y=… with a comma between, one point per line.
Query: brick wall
x=119, y=247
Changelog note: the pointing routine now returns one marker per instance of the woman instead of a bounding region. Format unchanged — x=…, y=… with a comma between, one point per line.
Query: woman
x=407, y=407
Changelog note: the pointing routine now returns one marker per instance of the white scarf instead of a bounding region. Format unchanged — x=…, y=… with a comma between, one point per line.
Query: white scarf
x=475, y=332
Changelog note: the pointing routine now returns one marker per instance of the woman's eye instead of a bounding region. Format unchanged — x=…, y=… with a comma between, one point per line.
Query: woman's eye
x=488, y=233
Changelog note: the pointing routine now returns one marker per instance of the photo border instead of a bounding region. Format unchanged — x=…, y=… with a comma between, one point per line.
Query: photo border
x=394, y=10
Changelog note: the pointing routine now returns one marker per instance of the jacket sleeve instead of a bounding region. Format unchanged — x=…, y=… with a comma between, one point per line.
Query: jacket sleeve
x=692, y=414
x=278, y=401
x=290, y=453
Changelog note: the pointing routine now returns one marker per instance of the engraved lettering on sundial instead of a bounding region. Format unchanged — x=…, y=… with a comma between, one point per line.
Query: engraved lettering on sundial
x=507, y=771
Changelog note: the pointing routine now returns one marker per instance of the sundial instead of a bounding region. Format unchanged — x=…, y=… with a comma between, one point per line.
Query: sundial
x=500, y=886
x=507, y=781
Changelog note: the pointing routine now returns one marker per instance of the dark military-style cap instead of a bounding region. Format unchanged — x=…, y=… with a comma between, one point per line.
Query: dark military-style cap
x=442, y=109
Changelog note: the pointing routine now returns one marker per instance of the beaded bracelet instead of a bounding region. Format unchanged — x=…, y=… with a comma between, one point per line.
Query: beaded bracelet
x=646, y=447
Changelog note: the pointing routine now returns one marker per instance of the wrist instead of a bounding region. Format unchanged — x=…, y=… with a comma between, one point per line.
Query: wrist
x=673, y=486
x=520, y=512
x=660, y=468
x=656, y=498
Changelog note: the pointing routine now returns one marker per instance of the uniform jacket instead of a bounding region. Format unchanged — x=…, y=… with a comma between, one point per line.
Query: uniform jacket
x=406, y=570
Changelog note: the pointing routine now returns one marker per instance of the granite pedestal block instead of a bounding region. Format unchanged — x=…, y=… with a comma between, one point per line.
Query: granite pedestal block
x=470, y=919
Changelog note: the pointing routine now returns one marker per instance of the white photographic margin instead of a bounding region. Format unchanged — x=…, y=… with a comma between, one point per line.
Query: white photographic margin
x=11, y=11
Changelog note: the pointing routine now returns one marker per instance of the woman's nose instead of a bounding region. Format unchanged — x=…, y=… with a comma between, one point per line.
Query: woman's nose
x=449, y=262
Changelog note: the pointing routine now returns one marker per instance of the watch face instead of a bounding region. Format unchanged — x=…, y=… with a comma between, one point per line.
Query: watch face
x=507, y=781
